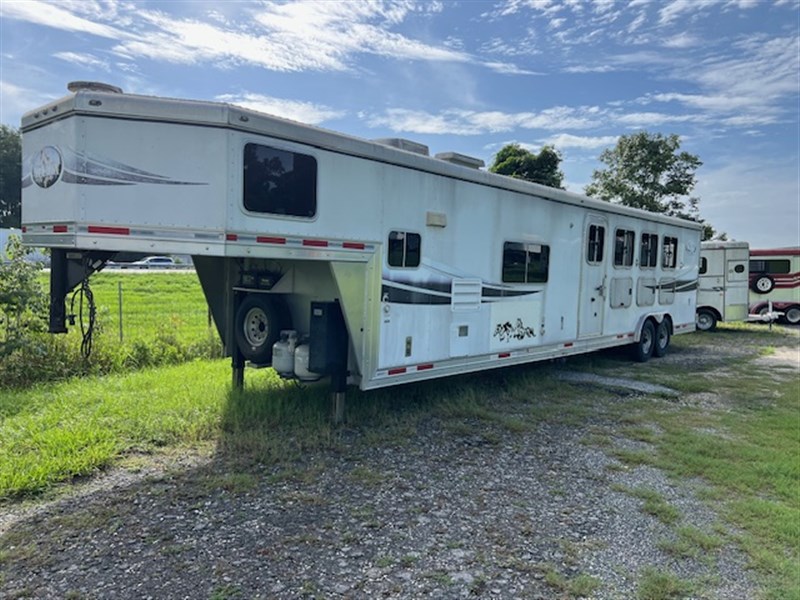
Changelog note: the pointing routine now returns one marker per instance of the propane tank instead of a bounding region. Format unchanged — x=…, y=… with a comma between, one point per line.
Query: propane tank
x=283, y=353
x=301, y=354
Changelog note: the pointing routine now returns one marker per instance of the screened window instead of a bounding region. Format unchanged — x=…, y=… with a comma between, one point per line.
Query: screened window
x=776, y=266
x=404, y=249
x=703, y=265
x=594, y=246
x=648, y=251
x=669, y=255
x=279, y=182
x=623, y=247
x=525, y=263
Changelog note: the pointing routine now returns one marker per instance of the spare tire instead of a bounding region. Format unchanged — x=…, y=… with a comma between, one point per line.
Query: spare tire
x=258, y=326
x=763, y=284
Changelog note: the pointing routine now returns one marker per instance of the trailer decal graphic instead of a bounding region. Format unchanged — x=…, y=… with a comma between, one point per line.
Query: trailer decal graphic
x=507, y=332
x=85, y=169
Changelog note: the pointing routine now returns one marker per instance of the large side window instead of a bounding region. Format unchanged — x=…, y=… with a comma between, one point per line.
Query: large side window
x=525, y=263
x=279, y=182
x=404, y=249
x=669, y=254
x=623, y=247
x=594, y=246
x=648, y=251
x=775, y=266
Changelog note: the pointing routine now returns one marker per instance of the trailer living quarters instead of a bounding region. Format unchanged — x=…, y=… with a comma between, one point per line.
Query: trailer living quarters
x=775, y=281
x=395, y=265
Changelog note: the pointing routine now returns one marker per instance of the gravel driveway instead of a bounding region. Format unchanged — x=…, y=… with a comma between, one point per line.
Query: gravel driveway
x=456, y=509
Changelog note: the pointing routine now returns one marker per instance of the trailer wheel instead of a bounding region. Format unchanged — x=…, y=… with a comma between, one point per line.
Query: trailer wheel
x=662, y=339
x=643, y=349
x=792, y=315
x=258, y=327
x=763, y=284
x=705, y=320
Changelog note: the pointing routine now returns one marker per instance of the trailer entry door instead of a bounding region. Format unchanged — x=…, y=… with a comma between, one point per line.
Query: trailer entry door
x=591, y=302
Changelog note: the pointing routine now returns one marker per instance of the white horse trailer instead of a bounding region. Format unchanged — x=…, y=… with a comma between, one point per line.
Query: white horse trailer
x=393, y=265
x=722, y=293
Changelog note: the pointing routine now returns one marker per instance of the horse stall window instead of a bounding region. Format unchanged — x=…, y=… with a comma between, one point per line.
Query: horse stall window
x=623, y=247
x=669, y=256
x=648, y=251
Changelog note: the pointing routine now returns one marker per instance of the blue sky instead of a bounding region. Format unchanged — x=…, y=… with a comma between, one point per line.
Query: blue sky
x=463, y=76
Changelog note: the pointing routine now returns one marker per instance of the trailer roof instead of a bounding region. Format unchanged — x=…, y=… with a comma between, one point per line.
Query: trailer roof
x=215, y=114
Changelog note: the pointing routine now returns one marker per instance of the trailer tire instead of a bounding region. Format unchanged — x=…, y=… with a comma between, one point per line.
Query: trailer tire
x=763, y=284
x=662, y=338
x=258, y=327
x=705, y=320
x=792, y=315
x=643, y=349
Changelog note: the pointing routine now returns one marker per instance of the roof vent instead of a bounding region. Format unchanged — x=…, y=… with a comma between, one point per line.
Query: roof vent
x=92, y=86
x=461, y=159
x=406, y=145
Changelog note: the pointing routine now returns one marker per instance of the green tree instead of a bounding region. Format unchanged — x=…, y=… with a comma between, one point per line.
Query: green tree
x=515, y=161
x=10, y=177
x=648, y=171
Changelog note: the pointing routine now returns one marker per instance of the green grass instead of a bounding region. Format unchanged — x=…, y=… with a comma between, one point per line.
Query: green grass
x=746, y=449
x=657, y=584
x=151, y=303
x=54, y=433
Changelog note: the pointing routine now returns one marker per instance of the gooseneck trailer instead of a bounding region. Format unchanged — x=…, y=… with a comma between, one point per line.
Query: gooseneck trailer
x=382, y=265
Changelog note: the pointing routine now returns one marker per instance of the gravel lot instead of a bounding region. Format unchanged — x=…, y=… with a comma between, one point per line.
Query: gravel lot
x=466, y=509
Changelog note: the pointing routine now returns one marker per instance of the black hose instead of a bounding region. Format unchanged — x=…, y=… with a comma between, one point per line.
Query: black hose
x=87, y=329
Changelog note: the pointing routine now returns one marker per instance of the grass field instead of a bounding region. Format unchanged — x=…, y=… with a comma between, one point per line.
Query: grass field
x=151, y=304
x=143, y=319
x=746, y=449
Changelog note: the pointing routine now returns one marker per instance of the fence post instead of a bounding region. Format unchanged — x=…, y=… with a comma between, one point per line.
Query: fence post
x=119, y=288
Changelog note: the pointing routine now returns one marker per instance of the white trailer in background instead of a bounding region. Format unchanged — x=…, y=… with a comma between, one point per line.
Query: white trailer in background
x=394, y=265
x=722, y=293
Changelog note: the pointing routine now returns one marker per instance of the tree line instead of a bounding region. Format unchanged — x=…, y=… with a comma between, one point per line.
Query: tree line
x=644, y=170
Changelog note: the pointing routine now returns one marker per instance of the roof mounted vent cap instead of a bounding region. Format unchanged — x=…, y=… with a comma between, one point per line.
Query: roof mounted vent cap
x=92, y=86
x=461, y=159
x=404, y=144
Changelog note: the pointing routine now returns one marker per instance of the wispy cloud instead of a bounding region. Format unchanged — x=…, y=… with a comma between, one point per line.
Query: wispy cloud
x=567, y=140
x=58, y=17
x=305, y=112
x=83, y=59
x=465, y=122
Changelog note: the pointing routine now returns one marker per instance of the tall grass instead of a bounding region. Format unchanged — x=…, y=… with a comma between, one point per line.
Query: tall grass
x=164, y=321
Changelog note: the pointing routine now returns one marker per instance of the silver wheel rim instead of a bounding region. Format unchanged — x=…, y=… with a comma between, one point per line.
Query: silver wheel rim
x=256, y=327
x=647, y=341
x=663, y=336
x=793, y=315
x=762, y=284
x=703, y=321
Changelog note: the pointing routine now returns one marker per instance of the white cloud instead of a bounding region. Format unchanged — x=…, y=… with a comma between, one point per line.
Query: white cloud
x=305, y=112
x=508, y=69
x=52, y=15
x=82, y=59
x=466, y=122
x=567, y=140
x=682, y=40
